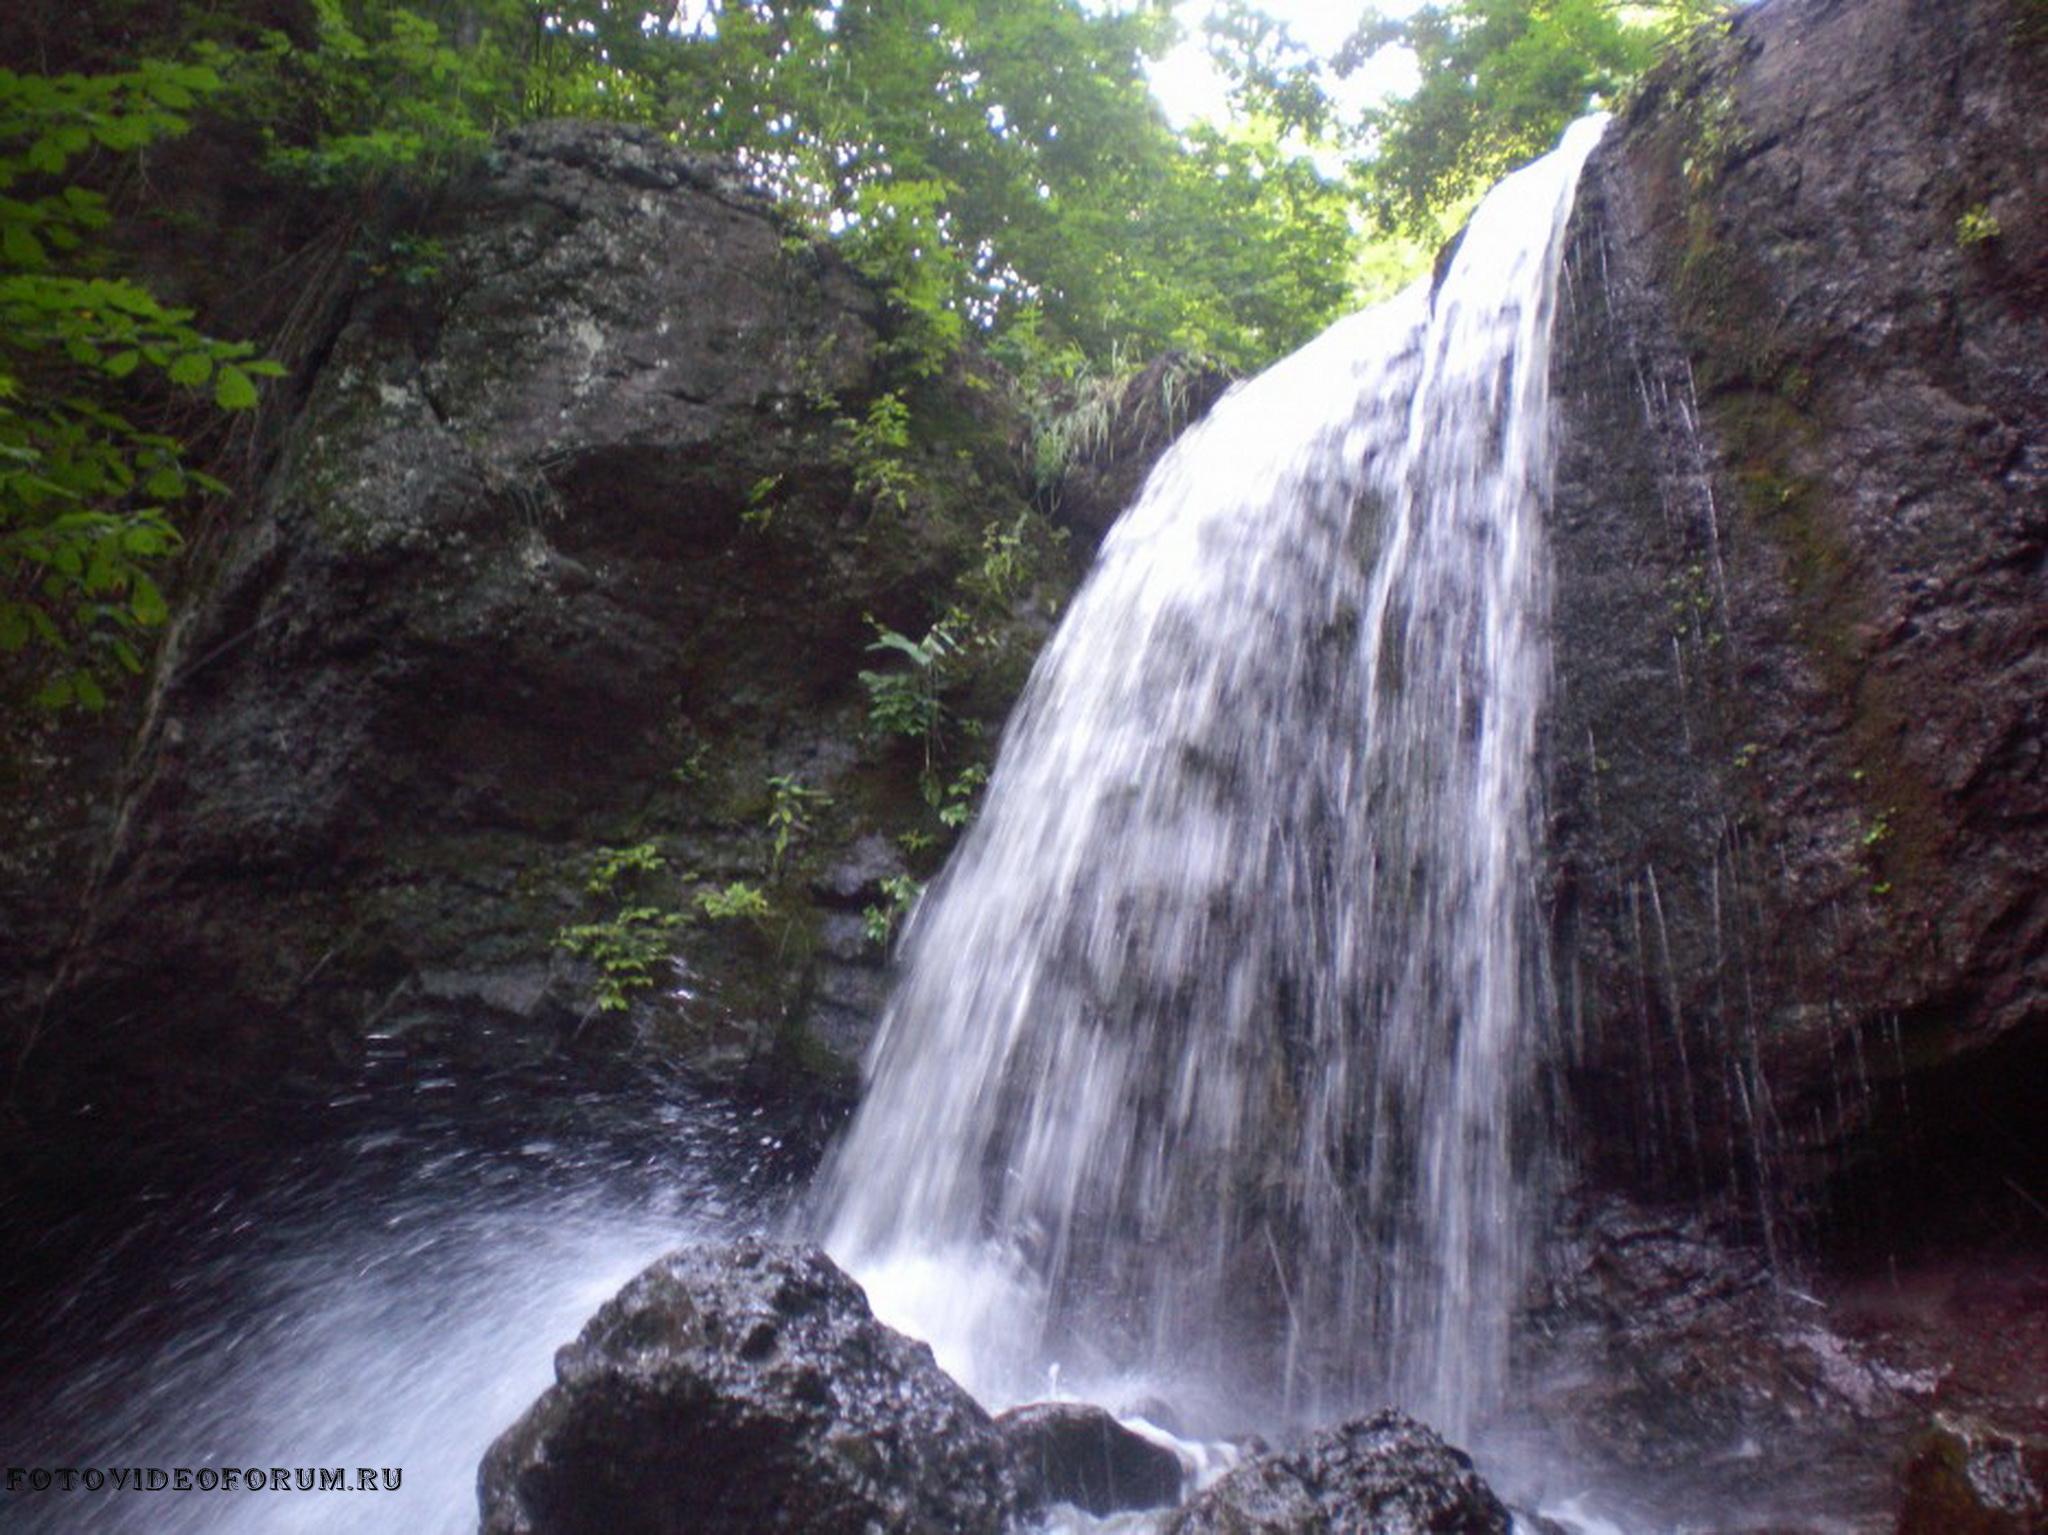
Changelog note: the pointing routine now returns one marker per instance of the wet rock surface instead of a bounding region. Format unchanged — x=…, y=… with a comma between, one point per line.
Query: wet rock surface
x=1796, y=776
x=1380, y=1475
x=741, y=1390
x=1968, y=1478
x=1683, y=1373
x=1070, y=1452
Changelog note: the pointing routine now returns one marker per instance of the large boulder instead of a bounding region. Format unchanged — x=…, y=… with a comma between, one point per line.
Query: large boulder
x=1380, y=1475
x=745, y=1390
x=572, y=546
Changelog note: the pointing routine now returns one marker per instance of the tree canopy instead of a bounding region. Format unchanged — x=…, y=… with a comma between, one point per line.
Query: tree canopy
x=1500, y=80
x=1000, y=167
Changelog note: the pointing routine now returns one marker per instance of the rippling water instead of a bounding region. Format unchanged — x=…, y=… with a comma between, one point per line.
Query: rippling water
x=388, y=1292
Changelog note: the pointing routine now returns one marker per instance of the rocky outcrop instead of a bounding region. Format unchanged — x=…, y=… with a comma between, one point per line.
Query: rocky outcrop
x=1381, y=1475
x=1070, y=1452
x=1800, y=806
x=1096, y=451
x=745, y=1390
x=1664, y=1362
x=551, y=622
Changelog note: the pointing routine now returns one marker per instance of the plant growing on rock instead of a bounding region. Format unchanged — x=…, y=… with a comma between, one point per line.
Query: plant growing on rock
x=907, y=703
x=790, y=806
x=1977, y=226
x=627, y=946
x=738, y=899
x=956, y=804
x=900, y=893
x=877, y=449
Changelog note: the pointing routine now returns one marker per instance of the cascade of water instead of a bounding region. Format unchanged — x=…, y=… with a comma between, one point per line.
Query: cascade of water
x=1212, y=1054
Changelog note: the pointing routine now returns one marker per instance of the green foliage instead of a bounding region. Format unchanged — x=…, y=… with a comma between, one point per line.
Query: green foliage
x=737, y=899
x=975, y=158
x=696, y=766
x=877, y=449
x=790, y=806
x=1011, y=558
x=759, y=513
x=610, y=865
x=900, y=893
x=1500, y=80
x=907, y=703
x=628, y=945
x=956, y=801
x=1977, y=225
x=626, y=948
x=1074, y=403
x=375, y=91
x=88, y=492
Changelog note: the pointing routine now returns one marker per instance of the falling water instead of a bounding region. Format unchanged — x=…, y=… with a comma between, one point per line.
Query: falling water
x=1212, y=1060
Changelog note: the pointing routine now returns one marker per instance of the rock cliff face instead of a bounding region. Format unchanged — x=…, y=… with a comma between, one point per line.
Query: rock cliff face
x=1797, y=755
x=577, y=545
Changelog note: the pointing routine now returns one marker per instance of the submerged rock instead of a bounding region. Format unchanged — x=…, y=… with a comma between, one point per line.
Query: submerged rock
x=1382, y=1475
x=1070, y=1452
x=743, y=1390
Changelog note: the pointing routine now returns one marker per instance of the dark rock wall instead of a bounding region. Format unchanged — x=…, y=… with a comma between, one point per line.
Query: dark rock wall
x=565, y=552
x=1796, y=754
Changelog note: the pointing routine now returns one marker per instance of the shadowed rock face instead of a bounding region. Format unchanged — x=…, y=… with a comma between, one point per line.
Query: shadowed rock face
x=746, y=1390
x=1800, y=807
x=564, y=552
x=1382, y=1475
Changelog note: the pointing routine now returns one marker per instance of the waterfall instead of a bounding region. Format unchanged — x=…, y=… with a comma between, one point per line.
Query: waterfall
x=1211, y=1068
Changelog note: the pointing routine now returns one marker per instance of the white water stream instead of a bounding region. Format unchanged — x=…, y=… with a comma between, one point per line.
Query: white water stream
x=1210, y=1074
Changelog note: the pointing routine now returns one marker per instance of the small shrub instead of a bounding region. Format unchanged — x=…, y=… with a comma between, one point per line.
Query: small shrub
x=737, y=899
x=625, y=949
x=901, y=893
x=1977, y=226
x=789, y=809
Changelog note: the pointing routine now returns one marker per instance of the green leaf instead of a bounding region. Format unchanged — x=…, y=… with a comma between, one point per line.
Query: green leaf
x=233, y=390
x=21, y=248
x=191, y=369
x=121, y=364
x=147, y=603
